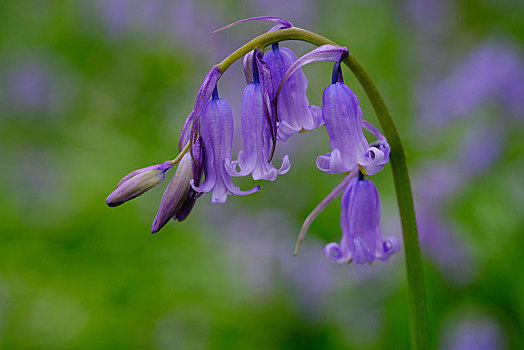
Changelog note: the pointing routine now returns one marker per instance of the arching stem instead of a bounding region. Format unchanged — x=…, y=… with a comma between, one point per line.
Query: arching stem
x=414, y=268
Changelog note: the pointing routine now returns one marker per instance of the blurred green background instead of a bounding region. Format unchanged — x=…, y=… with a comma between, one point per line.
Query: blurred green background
x=91, y=90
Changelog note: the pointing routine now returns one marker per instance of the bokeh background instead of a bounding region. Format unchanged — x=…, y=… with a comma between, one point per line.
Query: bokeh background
x=90, y=90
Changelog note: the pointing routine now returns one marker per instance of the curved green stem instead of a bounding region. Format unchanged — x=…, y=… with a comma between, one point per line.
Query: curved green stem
x=414, y=268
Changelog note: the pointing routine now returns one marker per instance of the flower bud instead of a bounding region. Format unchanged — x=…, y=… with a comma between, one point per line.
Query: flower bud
x=176, y=193
x=137, y=182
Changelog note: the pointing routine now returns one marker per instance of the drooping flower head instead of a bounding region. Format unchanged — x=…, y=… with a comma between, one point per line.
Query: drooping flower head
x=216, y=128
x=256, y=129
x=360, y=220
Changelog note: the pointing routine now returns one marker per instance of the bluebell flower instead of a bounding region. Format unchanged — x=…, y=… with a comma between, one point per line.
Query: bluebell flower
x=342, y=117
x=256, y=131
x=216, y=128
x=360, y=221
x=294, y=111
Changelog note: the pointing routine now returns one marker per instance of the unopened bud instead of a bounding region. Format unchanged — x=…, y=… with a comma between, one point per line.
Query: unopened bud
x=137, y=182
x=176, y=193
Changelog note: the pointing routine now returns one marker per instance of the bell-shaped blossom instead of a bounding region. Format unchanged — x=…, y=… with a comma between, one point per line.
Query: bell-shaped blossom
x=349, y=148
x=342, y=117
x=255, y=159
x=216, y=127
x=360, y=220
x=137, y=182
x=179, y=197
x=294, y=111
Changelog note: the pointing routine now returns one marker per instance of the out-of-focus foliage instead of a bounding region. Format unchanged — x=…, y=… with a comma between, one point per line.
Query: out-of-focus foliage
x=90, y=90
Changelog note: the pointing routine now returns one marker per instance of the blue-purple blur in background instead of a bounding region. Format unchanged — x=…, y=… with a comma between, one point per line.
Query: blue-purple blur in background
x=90, y=90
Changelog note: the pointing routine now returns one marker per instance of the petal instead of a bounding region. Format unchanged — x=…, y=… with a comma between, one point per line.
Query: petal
x=376, y=157
x=335, y=253
x=269, y=107
x=286, y=165
x=210, y=173
x=362, y=254
x=332, y=163
x=253, y=120
x=219, y=193
x=285, y=130
x=388, y=247
x=227, y=182
x=316, y=114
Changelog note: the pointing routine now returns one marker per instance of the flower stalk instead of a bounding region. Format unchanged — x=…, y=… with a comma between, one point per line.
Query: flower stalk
x=413, y=259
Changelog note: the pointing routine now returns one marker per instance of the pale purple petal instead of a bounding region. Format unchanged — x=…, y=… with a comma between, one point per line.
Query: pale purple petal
x=334, y=253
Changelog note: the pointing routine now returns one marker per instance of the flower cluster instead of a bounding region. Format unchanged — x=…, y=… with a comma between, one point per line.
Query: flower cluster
x=274, y=108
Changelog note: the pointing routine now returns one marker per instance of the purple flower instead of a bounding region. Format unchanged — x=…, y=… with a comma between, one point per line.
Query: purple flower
x=360, y=220
x=349, y=148
x=138, y=182
x=256, y=132
x=179, y=197
x=216, y=125
x=342, y=117
x=294, y=111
